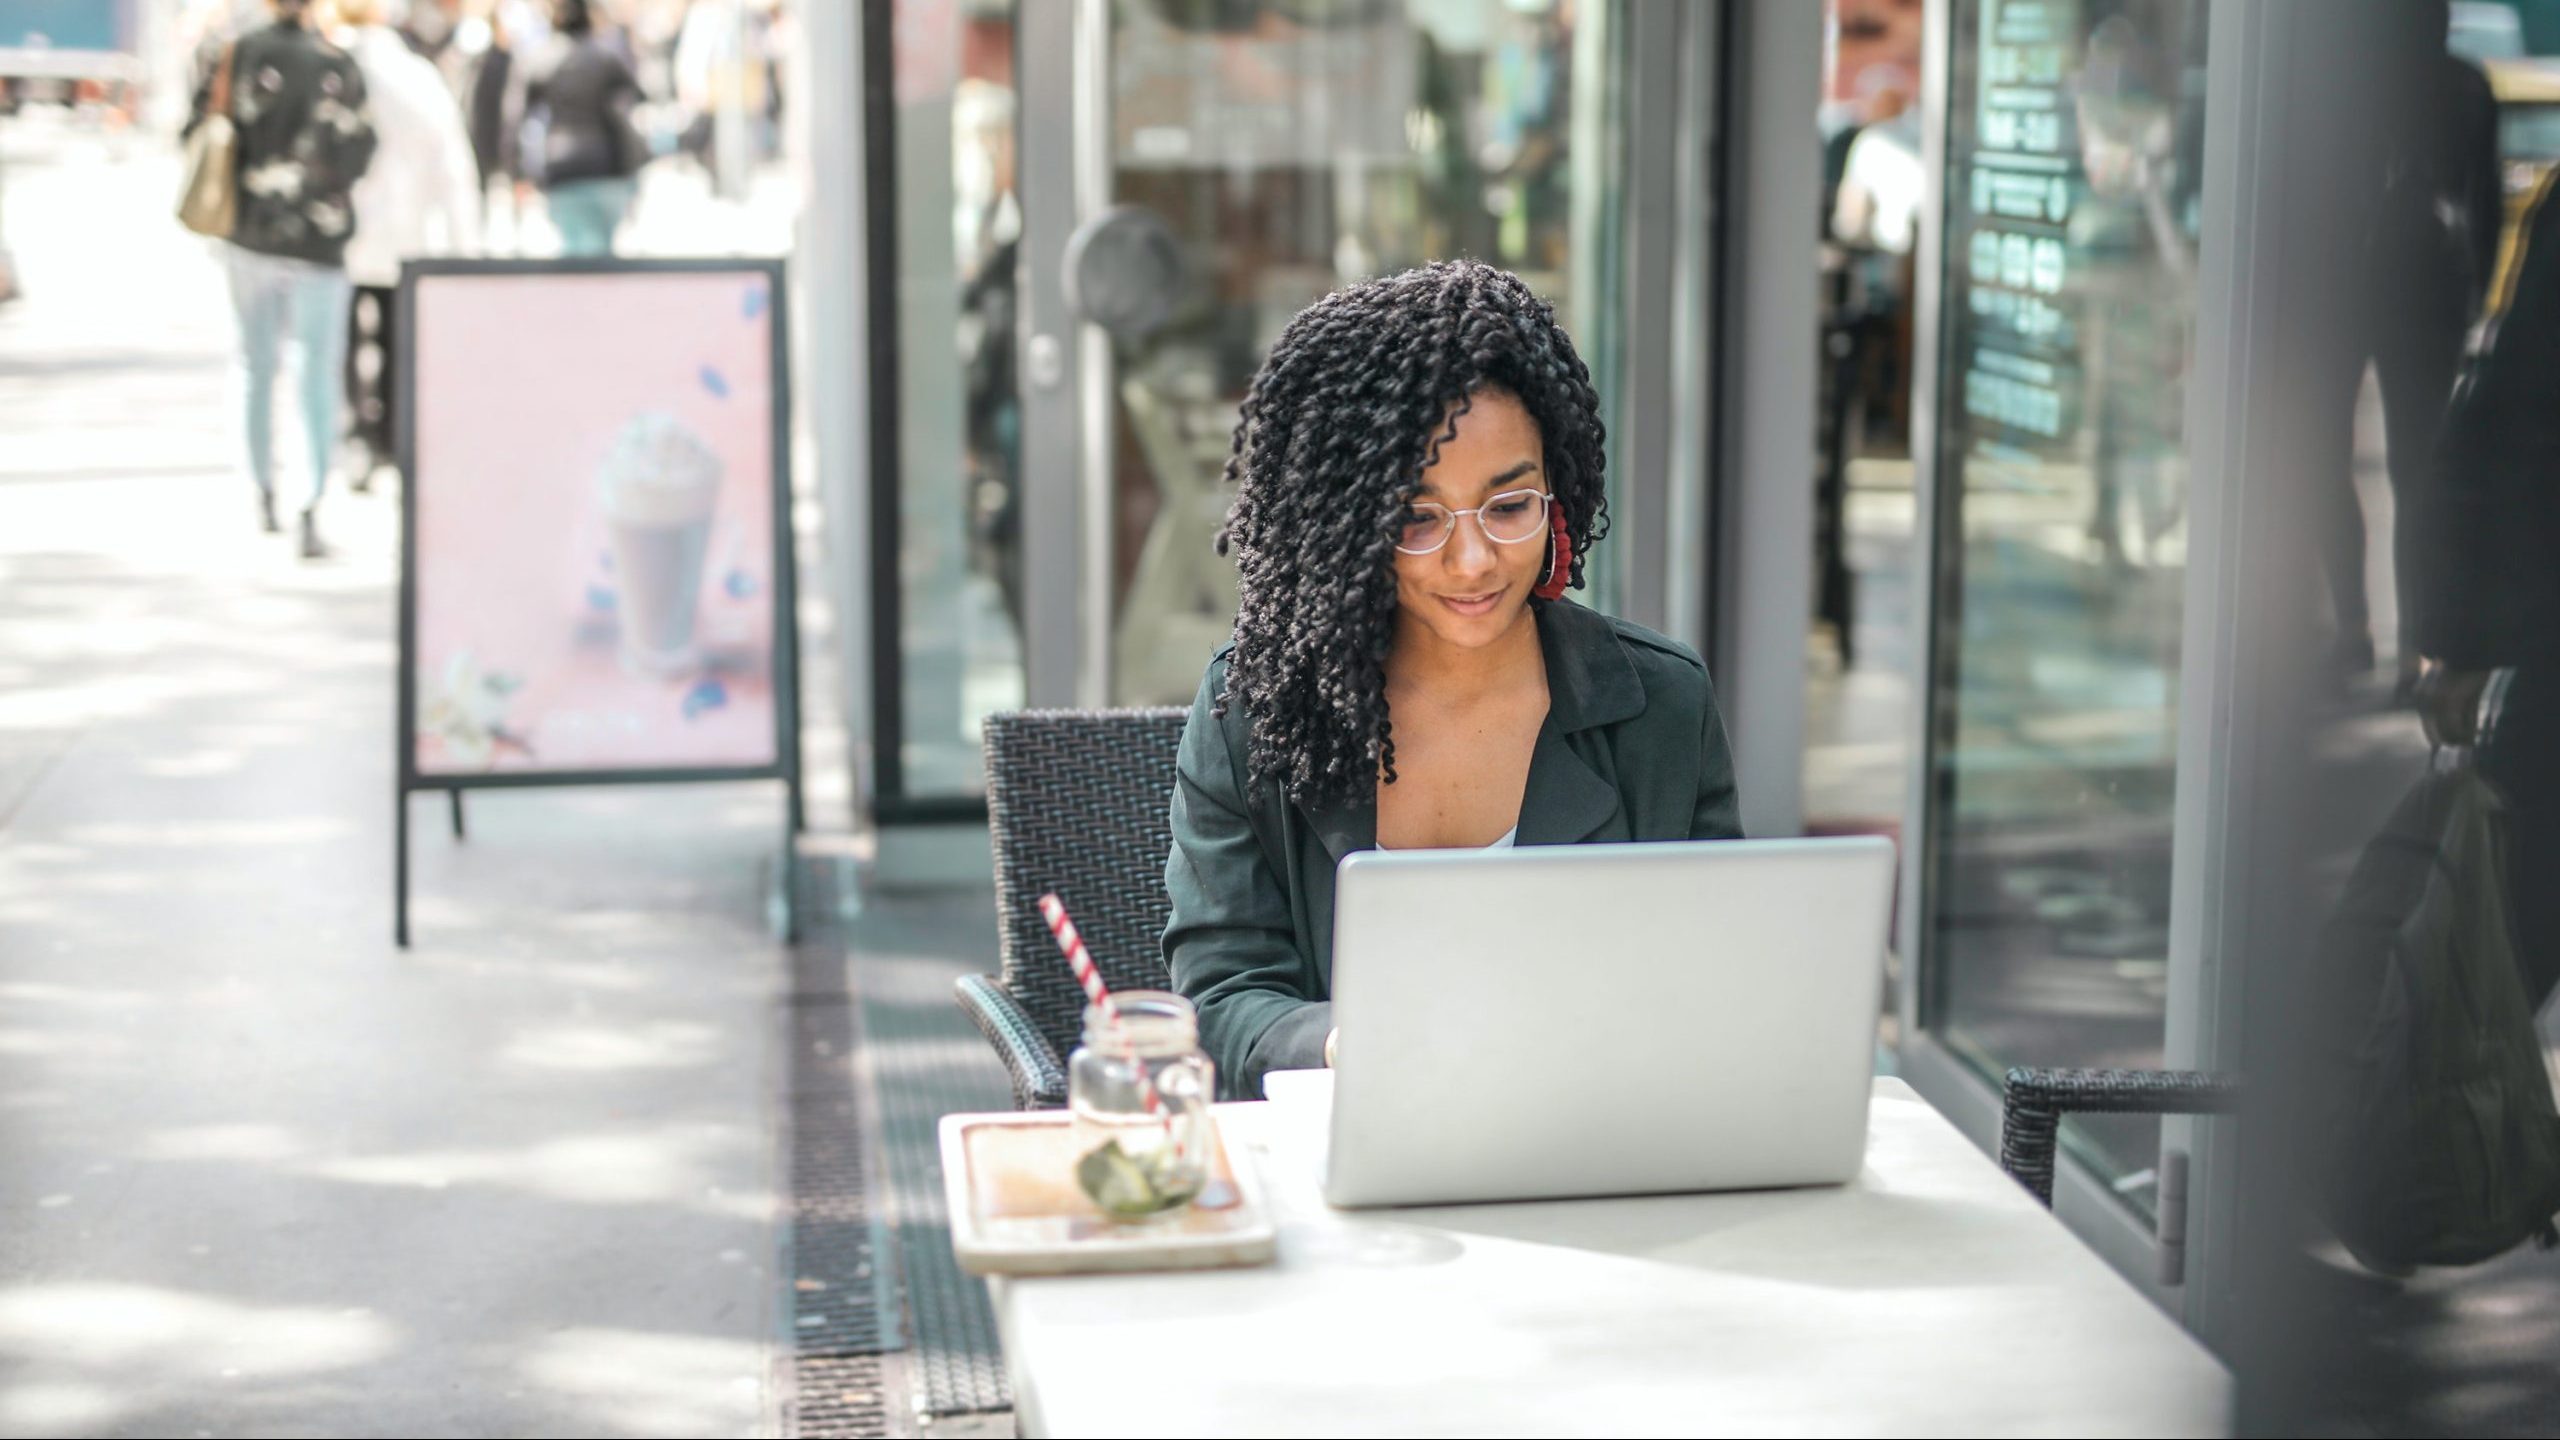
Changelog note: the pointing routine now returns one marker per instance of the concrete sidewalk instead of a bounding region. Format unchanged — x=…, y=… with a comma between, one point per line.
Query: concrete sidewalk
x=265, y=1173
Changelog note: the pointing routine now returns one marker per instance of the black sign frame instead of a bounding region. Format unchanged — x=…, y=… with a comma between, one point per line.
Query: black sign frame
x=786, y=764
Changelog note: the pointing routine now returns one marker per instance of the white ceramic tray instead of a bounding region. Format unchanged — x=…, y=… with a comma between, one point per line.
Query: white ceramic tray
x=1016, y=1208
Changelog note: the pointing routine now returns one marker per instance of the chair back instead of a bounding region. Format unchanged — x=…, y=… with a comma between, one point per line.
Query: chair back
x=1078, y=803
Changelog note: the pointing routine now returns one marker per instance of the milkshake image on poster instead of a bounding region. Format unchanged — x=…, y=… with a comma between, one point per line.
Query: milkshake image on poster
x=659, y=487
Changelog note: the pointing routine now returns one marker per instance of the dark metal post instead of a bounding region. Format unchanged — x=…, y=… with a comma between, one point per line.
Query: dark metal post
x=788, y=870
x=404, y=727
x=400, y=869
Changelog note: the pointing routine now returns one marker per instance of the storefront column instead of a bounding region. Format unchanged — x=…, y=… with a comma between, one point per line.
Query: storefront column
x=1761, y=578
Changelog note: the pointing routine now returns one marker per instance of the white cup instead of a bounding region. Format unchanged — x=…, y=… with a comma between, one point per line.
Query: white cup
x=660, y=487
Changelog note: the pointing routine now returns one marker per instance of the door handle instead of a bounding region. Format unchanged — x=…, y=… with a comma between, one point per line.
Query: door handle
x=1044, y=361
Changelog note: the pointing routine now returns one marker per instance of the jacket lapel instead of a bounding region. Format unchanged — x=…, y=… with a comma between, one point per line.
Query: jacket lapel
x=1566, y=800
x=1590, y=683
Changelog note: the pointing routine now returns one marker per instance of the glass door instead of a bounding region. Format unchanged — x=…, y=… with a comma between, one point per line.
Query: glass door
x=944, y=249
x=2072, y=169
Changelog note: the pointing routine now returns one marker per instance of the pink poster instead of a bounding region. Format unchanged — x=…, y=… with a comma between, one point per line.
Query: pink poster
x=592, y=492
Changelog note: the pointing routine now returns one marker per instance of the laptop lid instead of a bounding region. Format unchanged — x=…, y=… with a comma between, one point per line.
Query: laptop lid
x=1581, y=1020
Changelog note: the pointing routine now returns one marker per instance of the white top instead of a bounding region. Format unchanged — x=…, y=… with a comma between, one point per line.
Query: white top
x=421, y=195
x=1930, y=1296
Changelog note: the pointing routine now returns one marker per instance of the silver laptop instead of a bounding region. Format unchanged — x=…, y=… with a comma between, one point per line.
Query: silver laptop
x=1577, y=1020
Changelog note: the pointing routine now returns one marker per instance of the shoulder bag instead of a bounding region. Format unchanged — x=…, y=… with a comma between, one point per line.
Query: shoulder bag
x=209, y=199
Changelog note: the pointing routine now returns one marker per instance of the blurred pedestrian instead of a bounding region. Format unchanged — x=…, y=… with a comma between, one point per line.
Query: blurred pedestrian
x=579, y=142
x=431, y=27
x=448, y=38
x=298, y=104
x=420, y=198
x=492, y=91
x=2490, y=529
x=2432, y=208
x=725, y=74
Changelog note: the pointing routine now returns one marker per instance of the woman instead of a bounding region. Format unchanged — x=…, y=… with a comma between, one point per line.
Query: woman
x=419, y=198
x=304, y=140
x=1419, y=470
x=579, y=142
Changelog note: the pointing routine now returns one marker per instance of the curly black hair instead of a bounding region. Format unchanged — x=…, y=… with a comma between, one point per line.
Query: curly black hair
x=1354, y=401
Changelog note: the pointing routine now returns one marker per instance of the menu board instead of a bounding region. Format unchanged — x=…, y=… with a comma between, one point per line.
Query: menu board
x=2073, y=161
x=2019, y=355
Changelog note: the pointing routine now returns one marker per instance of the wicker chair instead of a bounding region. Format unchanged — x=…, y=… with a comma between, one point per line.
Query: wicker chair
x=1077, y=803
x=2034, y=1101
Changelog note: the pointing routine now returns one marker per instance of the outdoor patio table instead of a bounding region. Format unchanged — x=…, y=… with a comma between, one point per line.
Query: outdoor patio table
x=1931, y=1295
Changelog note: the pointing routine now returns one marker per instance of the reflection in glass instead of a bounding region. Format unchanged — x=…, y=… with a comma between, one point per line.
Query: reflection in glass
x=2441, y=299
x=1295, y=148
x=2073, y=164
x=1859, y=664
x=959, y=405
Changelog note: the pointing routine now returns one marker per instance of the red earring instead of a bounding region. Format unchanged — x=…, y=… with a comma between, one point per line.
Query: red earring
x=1559, y=558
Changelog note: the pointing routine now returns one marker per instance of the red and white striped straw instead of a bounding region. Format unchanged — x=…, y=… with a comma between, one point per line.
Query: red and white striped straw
x=1089, y=975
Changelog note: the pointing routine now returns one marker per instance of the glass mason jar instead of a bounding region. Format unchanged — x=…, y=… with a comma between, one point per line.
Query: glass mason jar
x=1138, y=1163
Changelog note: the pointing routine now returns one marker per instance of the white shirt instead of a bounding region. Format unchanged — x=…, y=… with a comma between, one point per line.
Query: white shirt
x=1883, y=186
x=421, y=195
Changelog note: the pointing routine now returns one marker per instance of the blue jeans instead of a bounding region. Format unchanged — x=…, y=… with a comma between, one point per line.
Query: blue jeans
x=277, y=300
x=586, y=213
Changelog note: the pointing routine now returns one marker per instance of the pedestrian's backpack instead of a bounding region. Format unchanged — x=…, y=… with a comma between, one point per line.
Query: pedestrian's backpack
x=209, y=197
x=2443, y=1146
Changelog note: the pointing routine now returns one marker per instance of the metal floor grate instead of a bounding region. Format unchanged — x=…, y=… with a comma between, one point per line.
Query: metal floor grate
x=839, y=1395
x=929, y=1061
x=843, y=1307
x=844, y=1295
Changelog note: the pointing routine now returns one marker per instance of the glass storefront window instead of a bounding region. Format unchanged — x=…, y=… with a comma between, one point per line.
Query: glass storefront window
x=1291, y=148
x=1283, y=149
x=958, y=416
x=2073, y=163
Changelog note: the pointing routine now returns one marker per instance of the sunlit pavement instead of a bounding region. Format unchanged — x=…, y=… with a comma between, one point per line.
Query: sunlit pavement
x=264, y=1173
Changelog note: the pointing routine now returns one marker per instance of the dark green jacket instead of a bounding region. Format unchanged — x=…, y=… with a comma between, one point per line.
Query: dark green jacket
x=1632, y=749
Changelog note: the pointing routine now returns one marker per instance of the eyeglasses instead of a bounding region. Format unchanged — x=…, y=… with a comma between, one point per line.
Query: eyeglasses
x=1509, y=518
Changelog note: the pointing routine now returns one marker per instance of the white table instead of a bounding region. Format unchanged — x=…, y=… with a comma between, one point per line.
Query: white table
x=1930, y=1296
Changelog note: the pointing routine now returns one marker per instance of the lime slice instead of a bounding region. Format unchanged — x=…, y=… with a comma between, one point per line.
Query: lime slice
x=1117, y=1183
x=1124, y=1187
